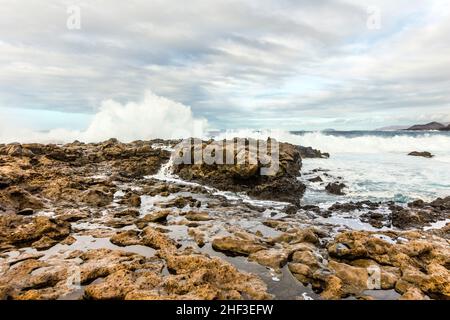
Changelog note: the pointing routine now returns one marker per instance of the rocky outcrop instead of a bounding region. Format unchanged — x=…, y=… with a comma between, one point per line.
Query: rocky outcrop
x=237, y=246
x=38, y=232
x=241, y=175
x=335, y=188
x=59, y=203
x=419, y=213
x=309, y=152
x=424, y=154
x=412, y=263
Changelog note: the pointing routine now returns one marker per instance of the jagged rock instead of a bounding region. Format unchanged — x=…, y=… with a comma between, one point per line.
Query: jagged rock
x=244, y=175
x=156, y=216
x=127, y=212
x=21, y=231
x=273, y=258
x=316, y=179
x=199, y=237
x=157, y=240
x=19, y=199
x=236, y=246
x=222, y=279
x=424, y=154
x=180, y=202
x=126, y=238
x=308, y=152
x=97, y=197
x=335, y=188
x=197, y=216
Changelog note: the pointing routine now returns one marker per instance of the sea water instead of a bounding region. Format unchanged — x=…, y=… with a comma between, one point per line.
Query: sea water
x=374, y=165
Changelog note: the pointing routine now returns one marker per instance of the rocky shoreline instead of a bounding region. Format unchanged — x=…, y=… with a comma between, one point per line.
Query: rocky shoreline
x=117, y=220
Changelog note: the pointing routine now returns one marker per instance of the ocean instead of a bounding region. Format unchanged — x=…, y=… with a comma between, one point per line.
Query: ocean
x=374, y=165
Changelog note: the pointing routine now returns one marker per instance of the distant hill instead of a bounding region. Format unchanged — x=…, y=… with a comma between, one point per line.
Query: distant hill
x=428, y=126
x=391, y=128
x=447, y=128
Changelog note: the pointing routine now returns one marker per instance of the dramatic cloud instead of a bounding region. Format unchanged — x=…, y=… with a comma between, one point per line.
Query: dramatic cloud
x=152, y=117
x=291, y=64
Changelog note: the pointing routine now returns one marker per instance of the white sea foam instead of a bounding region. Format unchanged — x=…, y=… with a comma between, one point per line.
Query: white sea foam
x=367, y=143
x=151, y=117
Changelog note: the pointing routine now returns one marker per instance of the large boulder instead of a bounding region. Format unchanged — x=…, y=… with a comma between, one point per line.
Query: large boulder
x=246, y=170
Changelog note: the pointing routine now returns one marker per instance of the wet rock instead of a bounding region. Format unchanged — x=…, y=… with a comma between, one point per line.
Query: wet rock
x=297, y=236
x=375, y=219
x=20, y=231
x=180, y=202
x=126, y=238
x=440, y=203
x=127, y=212
x=245, y=175
x=309, y=152
x=97, y=197
x=306, y=257
x=120, y=222
x=415, y=218
x=115, y=286
x=131, y=199
x=204, y=277
x=422, y=259
x=157, y=240
x=44, y=243
x=424, y=154
x=316, y=179
x=73, y=215
x=352, y=206
x=26, y=212
x=19, y=199
x=198, y=236
x=236, y=246
x=335, y=188
x=413, y=294
x=301, y=272
x=272, y=258
x=290, y=209
x=197, y=216
x=156, y=216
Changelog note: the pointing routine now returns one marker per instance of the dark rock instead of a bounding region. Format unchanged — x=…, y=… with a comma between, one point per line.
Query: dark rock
x=335, y=188
x=290, y=209
x=241, y=176
x=4, y=182
x=424, y=154
x=26, y=212
x=375, y=219
x=309, y=152
x=316, y=179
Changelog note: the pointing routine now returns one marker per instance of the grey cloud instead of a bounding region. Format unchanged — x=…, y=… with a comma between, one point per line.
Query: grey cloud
x=234, y=62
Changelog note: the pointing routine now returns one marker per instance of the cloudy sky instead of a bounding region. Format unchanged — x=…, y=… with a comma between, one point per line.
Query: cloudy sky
x=288, y=64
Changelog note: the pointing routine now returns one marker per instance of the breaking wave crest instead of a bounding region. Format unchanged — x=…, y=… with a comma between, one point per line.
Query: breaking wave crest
x=367, y=142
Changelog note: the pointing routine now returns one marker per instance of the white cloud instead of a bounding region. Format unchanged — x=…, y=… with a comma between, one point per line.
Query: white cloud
x=235, y=62
x=152, y=117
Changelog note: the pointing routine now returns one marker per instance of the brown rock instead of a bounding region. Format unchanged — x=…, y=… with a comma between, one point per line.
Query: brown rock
x=197, y=216
x=272, y=258
x=236, y=246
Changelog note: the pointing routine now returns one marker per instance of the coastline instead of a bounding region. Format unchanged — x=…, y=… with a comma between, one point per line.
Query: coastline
x=120, y=216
